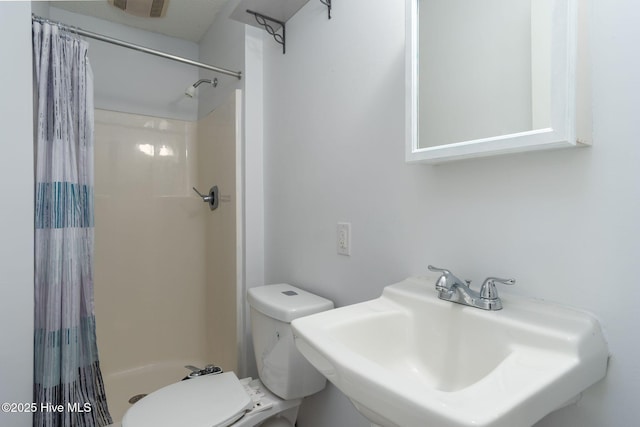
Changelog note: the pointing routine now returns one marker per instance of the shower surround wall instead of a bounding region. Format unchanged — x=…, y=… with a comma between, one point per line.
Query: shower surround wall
x=164, y=263
x=217, y=139
x=148, y=228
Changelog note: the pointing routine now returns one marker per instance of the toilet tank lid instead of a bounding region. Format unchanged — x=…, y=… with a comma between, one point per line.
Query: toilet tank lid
x=285, y=302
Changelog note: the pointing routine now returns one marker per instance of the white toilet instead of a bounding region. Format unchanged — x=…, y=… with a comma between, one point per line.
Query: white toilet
x=223, y=400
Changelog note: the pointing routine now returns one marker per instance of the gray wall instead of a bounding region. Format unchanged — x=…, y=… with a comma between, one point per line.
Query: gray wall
x=564, y=223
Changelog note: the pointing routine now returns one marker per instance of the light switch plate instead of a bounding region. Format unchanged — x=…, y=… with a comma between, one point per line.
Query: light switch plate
x=344, y=238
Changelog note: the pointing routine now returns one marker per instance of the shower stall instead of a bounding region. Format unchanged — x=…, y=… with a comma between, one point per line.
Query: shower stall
x=167, y=270
x=165, y=264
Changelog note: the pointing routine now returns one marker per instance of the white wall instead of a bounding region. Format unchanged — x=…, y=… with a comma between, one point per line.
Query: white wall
x=129, y=81
x=16, y=226
x=564, y=223
x=252, y=177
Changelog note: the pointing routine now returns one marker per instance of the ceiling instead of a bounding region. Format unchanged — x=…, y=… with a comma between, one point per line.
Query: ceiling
x=185, y=19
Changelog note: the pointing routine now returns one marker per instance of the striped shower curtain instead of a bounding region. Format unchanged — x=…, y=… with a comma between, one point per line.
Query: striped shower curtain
x=68, y=387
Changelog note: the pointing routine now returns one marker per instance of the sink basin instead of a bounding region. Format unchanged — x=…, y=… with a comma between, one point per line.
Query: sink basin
x=410, y=359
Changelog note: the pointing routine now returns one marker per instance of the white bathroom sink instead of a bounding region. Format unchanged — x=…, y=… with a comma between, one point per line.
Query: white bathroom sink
x=410, y=359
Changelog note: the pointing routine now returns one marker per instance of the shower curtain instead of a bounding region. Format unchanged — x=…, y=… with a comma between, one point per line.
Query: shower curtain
x=68, y=387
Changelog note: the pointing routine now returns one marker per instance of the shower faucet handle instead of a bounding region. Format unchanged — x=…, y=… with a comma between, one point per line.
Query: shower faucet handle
x=205, y=198
x=212, y=199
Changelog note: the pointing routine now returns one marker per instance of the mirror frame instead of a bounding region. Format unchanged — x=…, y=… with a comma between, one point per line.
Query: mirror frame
x=561, y=133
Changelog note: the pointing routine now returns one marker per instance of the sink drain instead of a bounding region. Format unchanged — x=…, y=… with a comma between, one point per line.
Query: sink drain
x=137, y=397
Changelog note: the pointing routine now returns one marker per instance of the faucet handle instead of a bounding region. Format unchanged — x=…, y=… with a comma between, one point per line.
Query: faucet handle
x=488, y=289
x=439, y=270
x=446, y=280
x=442, y=284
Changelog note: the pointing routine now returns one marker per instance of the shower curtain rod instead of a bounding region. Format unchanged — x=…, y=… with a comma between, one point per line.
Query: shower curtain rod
x=128, y=45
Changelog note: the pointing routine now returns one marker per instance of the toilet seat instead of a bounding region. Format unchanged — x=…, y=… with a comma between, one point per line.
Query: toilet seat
x=207, y=401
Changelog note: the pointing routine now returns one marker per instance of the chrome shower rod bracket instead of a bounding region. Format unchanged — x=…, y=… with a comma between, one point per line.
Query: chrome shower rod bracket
x=264, y=20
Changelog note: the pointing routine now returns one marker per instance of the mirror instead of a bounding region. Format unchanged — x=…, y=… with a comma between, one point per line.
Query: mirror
x=488, y=77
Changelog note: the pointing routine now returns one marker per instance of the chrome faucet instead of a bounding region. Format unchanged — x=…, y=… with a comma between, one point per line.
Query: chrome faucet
x=450, y=288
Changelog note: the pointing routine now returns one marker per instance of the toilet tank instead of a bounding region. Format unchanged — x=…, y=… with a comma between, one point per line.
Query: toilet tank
x=281, y=367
